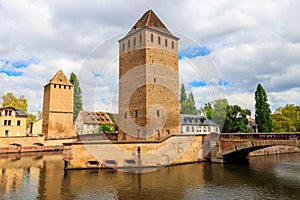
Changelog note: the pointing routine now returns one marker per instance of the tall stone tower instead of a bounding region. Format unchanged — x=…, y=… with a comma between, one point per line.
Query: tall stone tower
x=58, y=108
x=148, y=82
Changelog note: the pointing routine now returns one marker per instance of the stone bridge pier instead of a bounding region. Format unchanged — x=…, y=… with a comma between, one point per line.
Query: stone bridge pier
x=235, y=147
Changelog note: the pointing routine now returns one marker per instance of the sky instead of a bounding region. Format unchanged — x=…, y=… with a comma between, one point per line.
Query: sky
x=226, y=47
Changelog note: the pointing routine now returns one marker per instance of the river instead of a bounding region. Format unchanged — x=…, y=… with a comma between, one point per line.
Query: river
x=41, y=176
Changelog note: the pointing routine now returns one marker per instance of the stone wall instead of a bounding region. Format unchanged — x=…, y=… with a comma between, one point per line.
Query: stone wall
x=174, y=150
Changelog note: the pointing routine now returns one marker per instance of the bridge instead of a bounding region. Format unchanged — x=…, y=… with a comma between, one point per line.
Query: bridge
x=235, y=147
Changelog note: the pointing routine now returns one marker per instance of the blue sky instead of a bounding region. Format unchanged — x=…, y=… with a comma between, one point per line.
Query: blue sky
x=14, y=68
x=192, y=52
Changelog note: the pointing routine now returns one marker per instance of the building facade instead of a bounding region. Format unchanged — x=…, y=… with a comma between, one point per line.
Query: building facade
x=89, y=122
x=58, y=108
x=148, y=81
x=195, y=124
x=36, y=127
x=13, y=122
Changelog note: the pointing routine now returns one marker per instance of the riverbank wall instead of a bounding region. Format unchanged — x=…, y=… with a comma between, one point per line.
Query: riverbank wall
x=176, y=149
x=31, y=144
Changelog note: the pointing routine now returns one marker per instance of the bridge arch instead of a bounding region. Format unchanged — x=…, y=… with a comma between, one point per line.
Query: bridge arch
x=235, y=147
x=16, y=145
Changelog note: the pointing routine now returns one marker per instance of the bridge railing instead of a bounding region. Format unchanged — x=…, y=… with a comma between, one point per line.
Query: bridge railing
x=262, y=136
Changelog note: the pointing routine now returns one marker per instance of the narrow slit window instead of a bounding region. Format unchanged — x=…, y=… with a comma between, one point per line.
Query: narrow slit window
x=158, y=40
x=141, y=39
x=135, y=113
x=166, y=42
x=152, y=38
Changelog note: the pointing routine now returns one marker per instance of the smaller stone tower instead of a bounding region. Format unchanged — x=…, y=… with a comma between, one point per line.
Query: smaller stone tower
x=58, y=108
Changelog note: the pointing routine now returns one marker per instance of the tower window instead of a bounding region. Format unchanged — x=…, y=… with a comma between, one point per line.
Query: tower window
x=125, y=115
x=135, y=113
x=19, y=123
x=158, y=40
x=157, y=113
x=152, y=38
x=65, y=86
x=123, y=46
x=128, y=44
x=166, y=42
x=138, y=133
x=59, y=86
x=172, y=44
x=141, y=39
x=154, y=80
x=54, y=85
x=134, y=42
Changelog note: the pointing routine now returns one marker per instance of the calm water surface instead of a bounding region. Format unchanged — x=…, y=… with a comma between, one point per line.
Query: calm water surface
x=41, y=176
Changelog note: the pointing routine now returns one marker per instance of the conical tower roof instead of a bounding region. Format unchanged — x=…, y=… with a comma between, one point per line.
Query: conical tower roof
x=150, y=19
x=60, y=78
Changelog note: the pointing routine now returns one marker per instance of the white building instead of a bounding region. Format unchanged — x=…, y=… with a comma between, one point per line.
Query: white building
x=89, y=122
x=195, y=124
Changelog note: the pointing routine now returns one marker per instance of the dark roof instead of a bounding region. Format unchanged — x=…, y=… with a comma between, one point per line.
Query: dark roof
x=195, y=120
x=60, y=79
x=95, y=117
x=19, y=112
x=150, y=20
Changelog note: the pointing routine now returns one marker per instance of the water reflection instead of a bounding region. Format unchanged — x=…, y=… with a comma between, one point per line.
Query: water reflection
x=41, y=176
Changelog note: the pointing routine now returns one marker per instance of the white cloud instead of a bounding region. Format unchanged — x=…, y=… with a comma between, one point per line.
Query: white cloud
x=251, y=42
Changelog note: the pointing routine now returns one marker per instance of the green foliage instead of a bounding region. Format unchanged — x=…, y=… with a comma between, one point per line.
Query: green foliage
x=10, y=100
x=19, y=103
x=77, y=96
x=236, y=119
x=30, y=118
x=183, y=95
x=107, y=128
x=233, y=117
x=187, y=102
x=287, y=119
x=219, y=111
x=262, y=110
x=207, y=110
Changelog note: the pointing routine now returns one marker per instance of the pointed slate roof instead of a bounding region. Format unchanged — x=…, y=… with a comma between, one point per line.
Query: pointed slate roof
x=60, y=78
x=150, y=19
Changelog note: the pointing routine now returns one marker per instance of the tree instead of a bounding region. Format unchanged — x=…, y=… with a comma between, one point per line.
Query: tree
x=10, y=100
x=77, y=96
x=106, y=128
x=236, y=119
x=219, y=111
x=30, y=118
x=183, y=95
x=262, y=110
x=286, y=119
x=18, y=103
x=207, y=110
x=187, y=102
